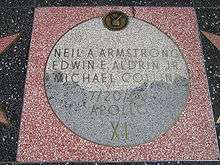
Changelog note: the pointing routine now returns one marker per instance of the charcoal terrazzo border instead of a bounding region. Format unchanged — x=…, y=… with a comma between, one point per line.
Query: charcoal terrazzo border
x=209, y=21
x=17, y=3
x=206, y=3
x=13, y=63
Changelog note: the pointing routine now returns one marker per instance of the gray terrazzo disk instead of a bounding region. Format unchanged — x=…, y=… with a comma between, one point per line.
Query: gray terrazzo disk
x=116, y=88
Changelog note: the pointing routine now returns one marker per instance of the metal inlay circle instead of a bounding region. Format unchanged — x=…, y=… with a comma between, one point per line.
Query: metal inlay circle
x=115, y=20
x=116, y=88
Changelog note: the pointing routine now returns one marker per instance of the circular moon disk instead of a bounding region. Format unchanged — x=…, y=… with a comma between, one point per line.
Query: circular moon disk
x=116, y=88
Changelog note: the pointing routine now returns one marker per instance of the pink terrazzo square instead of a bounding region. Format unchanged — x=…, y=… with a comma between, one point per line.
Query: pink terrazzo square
x=44, y=138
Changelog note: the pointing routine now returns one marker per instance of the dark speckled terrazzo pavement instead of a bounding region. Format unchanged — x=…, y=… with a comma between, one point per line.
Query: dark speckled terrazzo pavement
x=16, y=16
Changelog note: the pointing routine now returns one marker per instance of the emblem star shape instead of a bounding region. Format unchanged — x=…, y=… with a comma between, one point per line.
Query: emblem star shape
x=5, y=43
x=3, y=118
x=214, y=39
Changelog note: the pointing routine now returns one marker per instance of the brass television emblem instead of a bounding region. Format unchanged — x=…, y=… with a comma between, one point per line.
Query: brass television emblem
x=115, y=20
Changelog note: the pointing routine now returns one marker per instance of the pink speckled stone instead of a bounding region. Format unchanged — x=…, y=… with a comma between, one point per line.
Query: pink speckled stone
x=44, y=138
